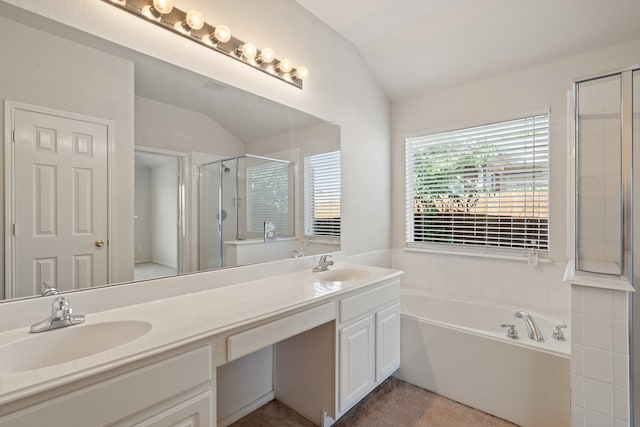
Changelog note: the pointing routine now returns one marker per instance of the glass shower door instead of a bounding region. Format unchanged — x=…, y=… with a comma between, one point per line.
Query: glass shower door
x=209, y=227
x=635, y=297
x=599, y=176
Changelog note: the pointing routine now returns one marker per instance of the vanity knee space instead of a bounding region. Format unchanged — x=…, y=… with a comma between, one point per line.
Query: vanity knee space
x=350, y=354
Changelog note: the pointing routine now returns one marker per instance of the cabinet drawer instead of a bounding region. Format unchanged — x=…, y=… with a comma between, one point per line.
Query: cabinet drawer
x=247, y=342
x=195, y=412
x=115, y=399
x=367, y=301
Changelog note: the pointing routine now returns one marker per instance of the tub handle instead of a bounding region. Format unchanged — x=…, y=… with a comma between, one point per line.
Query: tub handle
x=511, y=332
x=558, y=333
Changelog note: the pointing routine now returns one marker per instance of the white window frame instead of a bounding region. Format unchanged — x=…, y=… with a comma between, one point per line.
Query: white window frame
x=331, y=180
x=459, y=244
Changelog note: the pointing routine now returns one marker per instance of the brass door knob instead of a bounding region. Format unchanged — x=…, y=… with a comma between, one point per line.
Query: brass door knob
x=99, y=243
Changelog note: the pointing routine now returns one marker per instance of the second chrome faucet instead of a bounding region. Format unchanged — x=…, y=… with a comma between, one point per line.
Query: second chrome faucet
x=323, y=265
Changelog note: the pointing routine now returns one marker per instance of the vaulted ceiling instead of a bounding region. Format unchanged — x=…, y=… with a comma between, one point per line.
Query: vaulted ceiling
x=423, y=45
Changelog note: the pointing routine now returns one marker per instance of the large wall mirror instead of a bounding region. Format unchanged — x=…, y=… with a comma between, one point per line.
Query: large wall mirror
x=119, y=167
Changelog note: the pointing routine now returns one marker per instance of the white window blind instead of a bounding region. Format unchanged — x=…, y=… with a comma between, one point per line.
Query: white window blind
x=322, y=195
x=268, y=197
x=482, y=186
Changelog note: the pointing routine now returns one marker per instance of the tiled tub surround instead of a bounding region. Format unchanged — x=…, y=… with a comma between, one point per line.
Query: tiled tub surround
x=456, y=348
x=600, y=357
x=508, y=281
x=181, y=320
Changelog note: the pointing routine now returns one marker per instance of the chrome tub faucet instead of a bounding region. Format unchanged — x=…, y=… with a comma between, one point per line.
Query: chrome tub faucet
x=323, y=265
x=532, y=328
x=61, y=316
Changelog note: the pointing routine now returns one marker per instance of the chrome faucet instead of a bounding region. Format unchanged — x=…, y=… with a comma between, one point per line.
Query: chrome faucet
x=61, y=316
x=323, y=265
x=49, y=291
x=532, y=328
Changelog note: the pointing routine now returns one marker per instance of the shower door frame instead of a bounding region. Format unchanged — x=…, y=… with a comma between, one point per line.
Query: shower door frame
x=221, y=161
x=630, y=140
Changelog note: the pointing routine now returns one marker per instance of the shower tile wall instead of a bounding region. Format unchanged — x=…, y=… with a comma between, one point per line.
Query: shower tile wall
x=599, y=176
x=506, y=281
x=599, y=357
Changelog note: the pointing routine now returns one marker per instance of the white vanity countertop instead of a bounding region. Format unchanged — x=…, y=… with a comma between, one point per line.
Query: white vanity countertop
x=183, y=319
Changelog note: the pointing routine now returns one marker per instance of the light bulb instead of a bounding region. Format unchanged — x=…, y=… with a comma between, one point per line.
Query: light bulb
x=266, y=56
x=158, y=8
x=248, y=50
x=285, y=65
x=301, y=73
x=222, y=33
x=193, y=21
x=163, y=6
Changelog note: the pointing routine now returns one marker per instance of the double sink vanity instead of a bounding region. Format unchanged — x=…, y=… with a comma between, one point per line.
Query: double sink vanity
x=334, y=336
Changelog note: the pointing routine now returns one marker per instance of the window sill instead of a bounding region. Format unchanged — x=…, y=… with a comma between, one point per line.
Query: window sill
x=596, y=280
x=544, y=258
x=319, y=240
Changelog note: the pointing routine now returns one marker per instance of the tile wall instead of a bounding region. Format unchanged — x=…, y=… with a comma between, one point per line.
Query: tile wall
x=599, y=173
x=512, y=282
x=599, y=357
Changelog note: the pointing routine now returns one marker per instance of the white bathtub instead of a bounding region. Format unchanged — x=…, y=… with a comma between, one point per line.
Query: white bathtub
x=457, y=349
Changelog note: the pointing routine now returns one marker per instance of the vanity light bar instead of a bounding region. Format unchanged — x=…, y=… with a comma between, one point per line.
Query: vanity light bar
x=193, y=26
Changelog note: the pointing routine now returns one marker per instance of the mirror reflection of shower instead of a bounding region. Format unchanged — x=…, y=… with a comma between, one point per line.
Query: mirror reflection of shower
x=236, y=197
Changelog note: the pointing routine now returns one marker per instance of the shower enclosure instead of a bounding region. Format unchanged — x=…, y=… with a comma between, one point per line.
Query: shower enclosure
x=608, y=205
x=237, y=196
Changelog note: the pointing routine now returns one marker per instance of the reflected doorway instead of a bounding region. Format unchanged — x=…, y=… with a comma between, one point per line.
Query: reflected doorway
x=159, y=213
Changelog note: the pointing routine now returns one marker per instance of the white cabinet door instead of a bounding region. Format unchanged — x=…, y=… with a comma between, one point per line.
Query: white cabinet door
x=387, y=341
x=357, y=365
x=195, y=412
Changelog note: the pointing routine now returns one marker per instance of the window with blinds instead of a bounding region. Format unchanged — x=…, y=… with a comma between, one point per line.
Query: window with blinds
x=267, y=195
x=485, y=186
x=322, y=195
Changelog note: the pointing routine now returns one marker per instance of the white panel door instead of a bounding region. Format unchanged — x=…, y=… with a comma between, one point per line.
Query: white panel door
x=387, y=341
x=357, y=353
x=60, y=203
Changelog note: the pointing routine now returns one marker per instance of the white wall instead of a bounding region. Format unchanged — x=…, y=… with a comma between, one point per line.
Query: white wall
x=498, y=98
x=164, y=218
x=41, y=69
x=142, y=214
x=168, y=127
x=340, y=89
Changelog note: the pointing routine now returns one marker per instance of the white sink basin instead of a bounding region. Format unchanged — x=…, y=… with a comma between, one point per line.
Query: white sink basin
x=341, y=275
x=66, y=344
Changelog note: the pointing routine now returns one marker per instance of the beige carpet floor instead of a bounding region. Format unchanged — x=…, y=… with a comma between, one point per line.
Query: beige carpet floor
x=394, y=403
